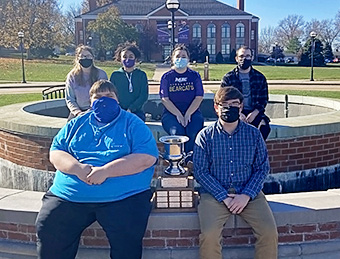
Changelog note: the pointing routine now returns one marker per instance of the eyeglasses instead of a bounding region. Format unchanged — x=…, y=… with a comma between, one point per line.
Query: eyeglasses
x=85, y=57
x=228, y=105
x=246, y=56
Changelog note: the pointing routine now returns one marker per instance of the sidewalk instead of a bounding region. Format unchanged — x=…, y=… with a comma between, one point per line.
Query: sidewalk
x=29, y=87
x=160, y=70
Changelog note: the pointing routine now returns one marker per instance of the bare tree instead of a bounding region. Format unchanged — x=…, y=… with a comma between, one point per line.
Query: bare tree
x=267, y=39
x=68, y=25
x=327, y=30
x=337, y=24
x=85, y=4
x=289, y=28
x=39, y=20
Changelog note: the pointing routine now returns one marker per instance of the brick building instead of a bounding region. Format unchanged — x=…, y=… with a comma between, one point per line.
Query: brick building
x=217, y=26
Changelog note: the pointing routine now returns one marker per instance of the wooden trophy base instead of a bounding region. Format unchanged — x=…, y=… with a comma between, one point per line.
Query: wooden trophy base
x=175, y=194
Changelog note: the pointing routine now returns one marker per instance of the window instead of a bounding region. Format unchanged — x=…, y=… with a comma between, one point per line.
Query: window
x=81, y=35
x=252, y=34
x=225, y=30
x=139, y=28
x=240, y=30
x=211, y=49
x=196, y=31
x=239, y=46
x=166, y=51
x=225, y=49
x=211, y=31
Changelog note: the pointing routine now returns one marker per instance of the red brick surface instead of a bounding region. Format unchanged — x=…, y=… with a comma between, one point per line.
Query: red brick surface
x=94, y=236
x=26, y=150
x=285, y=155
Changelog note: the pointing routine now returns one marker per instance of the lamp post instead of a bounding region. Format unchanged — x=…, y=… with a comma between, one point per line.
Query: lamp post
x=89, y=42
x=172, y=6
x=21, y=37
x=275, y=51
x=313, y=36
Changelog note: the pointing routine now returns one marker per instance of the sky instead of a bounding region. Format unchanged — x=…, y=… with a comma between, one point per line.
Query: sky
x=271, y=12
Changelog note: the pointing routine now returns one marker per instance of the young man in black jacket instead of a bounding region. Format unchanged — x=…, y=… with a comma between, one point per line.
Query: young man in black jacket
x=253, y=85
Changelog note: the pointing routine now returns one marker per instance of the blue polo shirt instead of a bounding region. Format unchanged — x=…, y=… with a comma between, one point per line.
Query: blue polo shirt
x=98, y=145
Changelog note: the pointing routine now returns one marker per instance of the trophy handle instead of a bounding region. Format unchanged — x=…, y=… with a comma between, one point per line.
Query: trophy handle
x=185, y=156
x=162, y=155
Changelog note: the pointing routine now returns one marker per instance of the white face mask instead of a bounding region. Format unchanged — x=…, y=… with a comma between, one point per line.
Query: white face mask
x=181, y=62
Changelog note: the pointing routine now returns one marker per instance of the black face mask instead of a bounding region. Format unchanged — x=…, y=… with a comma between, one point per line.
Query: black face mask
x=244, y=64
x=86, y=62
x=230, y=114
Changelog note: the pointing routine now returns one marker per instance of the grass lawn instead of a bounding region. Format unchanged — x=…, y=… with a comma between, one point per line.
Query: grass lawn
x=332, y=72
x=325, y=94
x=52, y=70
x=6, y=99
x=55, y=70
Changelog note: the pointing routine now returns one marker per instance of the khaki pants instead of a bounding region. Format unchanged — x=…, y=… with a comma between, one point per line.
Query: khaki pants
x=213, y=215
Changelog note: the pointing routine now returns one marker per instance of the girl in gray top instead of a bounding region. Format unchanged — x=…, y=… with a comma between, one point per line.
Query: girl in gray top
x=80, y=79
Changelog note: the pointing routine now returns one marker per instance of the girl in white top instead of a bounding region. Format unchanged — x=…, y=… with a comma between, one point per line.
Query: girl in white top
x=80, y=79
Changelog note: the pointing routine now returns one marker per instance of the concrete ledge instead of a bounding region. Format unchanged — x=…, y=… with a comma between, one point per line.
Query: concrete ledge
x=311, y=250
x=20, y=119
x=305, y=209
x=289, y=208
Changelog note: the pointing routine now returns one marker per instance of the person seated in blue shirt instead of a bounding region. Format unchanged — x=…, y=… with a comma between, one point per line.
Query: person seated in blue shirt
x=231, y=163
x=105, y=162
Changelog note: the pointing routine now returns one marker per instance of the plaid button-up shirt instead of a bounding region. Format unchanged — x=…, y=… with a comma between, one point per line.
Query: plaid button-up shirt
x=258, y=86
x=238, y=160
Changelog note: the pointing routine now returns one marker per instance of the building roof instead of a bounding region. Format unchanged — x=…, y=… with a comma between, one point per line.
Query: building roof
x=191, y=7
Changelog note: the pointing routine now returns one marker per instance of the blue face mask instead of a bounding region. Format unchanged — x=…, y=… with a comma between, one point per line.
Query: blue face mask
x=181, y=62
x=105, y=109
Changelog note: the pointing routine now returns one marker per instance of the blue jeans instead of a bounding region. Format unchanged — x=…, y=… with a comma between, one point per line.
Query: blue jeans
x=169, y=121
x=60, y=224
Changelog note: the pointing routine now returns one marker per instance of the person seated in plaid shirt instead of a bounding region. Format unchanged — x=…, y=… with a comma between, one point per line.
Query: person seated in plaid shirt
x=253, y=85
x=231, y=163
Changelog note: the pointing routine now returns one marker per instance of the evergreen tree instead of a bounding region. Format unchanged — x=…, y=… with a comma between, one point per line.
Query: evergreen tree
x=112, y=30
x=232, y=56
x=307, y=53
x=147, y=42
x=219, y=58
x=327, y=52
x=294, y=45
x=196, y=52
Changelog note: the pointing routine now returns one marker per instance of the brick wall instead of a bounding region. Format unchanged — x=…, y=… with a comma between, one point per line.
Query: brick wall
x=304, y=153
x=285, y=155
x=95, y=236
x=26, y=150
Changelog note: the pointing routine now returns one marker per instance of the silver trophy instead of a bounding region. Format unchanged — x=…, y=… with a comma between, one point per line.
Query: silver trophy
x=175, y=188
x=174, y=153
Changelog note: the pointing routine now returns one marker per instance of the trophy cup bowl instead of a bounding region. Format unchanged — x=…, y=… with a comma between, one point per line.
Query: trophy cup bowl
x=174, y=153
x=175, y=188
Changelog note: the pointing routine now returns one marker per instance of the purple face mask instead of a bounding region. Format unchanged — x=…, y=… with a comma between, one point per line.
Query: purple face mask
x=129, y=62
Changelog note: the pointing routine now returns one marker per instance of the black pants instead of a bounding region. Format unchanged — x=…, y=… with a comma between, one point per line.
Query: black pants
x=60, y=224
x=264, y=129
